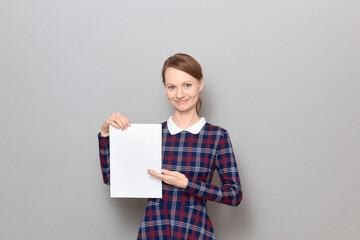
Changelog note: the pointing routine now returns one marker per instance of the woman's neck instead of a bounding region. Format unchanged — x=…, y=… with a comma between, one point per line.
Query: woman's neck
x=185, y=120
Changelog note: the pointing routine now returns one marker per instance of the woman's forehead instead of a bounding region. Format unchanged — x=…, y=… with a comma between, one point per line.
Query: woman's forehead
x=175, y=76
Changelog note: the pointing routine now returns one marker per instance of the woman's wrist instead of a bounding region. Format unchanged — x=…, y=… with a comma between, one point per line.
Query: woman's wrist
x=185, y=183
x=104, y=134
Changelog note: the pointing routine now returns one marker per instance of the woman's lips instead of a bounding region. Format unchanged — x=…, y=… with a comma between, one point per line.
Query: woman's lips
x=181, y=102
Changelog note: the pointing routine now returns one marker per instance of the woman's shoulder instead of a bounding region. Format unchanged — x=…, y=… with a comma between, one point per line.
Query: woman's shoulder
x=214, y=129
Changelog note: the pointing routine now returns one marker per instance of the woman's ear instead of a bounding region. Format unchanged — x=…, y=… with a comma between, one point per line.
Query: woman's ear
x=201, y=85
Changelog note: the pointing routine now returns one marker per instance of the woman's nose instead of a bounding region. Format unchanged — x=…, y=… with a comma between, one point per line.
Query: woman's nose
x=179, y=93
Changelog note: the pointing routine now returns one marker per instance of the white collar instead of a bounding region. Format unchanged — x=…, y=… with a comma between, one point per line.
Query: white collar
x=194, y=129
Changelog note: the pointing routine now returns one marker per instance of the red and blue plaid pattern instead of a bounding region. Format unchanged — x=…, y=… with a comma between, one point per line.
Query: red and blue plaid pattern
x=181, y=214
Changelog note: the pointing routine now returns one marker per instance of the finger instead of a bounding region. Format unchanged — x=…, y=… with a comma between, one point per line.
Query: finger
x=128, y=122
x=117, y=114
x=115, y=117
x=168, y=172
x=115, y=124
x=122, y=123
x=119, y=122
x=165, y=181
x=156, y=174
x=123, y=119
x=111, y=120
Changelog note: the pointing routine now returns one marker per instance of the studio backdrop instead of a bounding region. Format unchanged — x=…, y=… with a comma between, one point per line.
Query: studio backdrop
x=281, y=76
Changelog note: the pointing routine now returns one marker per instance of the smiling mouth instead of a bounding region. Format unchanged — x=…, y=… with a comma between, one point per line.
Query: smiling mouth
x=181, y=102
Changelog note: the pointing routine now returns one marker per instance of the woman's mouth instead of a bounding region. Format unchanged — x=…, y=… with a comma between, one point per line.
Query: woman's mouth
x=181, y=102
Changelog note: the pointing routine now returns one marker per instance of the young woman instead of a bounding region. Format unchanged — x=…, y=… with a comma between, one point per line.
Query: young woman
x=192, y=149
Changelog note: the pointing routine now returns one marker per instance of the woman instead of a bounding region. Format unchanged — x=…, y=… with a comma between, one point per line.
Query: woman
x=192, y=149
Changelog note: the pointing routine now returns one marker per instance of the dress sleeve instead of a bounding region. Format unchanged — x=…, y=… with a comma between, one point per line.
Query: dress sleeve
x=230, y=192
x=104, y=152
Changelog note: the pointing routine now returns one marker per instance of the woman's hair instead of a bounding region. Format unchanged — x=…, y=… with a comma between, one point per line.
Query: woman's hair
x=185, y=63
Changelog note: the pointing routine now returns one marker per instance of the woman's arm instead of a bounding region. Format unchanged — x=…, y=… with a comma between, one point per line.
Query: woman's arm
x=104, y=152
x=230, y=192
x=117, y=120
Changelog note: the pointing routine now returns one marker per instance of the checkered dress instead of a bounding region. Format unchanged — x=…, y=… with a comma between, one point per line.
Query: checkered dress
x=181, y=214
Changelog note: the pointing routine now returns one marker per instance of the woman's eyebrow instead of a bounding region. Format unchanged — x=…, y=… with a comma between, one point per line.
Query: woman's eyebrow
x=188, y=81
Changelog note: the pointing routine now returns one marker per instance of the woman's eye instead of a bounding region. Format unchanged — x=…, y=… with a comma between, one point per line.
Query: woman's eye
x=187, y=85
x=171, y=87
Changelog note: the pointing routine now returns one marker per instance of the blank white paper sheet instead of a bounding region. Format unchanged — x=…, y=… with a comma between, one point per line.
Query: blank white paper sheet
x=132, y=152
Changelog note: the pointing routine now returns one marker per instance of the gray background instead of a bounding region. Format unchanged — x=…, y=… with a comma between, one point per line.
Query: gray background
x=282, y=76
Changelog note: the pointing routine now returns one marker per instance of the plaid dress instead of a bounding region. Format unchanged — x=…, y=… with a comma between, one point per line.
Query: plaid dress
x=181, y=214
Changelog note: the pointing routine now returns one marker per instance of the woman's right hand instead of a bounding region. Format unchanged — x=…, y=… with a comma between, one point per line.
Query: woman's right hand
x=117, y=120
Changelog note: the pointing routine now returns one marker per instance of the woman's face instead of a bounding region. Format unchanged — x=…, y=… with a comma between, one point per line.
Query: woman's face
x=182, y=89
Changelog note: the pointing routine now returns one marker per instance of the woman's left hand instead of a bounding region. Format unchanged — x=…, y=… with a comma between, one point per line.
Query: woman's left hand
x=174, y=178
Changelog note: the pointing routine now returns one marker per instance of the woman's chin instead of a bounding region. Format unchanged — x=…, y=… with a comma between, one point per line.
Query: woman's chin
x=184, y=109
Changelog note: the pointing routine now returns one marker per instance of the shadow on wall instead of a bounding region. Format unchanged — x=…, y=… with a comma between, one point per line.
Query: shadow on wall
x=207, y=97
